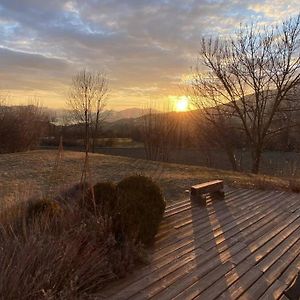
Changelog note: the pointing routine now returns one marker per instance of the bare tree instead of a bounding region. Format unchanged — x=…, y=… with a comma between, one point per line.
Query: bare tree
x=288, y=120
x=88, y=98
x=159, y=134
x=2, y=106
x=21, y=127
x=249, y=78
x=215, y=134
x=150, y=135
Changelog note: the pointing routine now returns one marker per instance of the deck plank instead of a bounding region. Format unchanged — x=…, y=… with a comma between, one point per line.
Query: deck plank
x=247, y=263
x=264, y=282
x=189, y=238
x=234, y=202
x=246, y=246
x=203, y=224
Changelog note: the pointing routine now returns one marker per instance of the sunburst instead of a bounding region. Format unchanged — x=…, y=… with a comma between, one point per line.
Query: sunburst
x=182, y=104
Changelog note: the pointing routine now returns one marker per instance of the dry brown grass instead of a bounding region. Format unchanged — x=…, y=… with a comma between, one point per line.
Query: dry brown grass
x=75, y=256
x=69, y=257
x=31, y=172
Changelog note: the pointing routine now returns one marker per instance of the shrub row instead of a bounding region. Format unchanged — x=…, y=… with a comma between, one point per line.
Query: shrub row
x=60, y=250
x=135, y=205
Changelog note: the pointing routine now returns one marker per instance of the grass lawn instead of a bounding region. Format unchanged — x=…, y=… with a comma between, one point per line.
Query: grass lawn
x=36, y=171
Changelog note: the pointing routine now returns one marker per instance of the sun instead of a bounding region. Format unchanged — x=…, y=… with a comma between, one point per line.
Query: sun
x=182, y=104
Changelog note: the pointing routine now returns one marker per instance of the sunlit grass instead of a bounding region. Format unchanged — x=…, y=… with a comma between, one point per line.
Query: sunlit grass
x=35, y=169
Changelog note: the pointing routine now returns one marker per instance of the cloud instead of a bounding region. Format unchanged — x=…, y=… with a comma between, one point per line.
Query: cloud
x=276, y=10
x=30, y=71
x=17, y=59
x=140, y=44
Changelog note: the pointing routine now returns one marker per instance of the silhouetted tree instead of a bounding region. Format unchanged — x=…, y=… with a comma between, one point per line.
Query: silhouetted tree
x=21, y=127
x=159, y=134
x=248, y=80
x=216, y=134
x=87, y=98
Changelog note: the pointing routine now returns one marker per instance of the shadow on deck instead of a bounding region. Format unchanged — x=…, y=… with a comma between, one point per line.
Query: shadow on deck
x=246, y=246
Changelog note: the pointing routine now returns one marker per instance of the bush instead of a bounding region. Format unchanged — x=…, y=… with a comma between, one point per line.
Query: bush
x=105, y=197
x=72, y=194
x=74, y=264
x=135, y=207
x=21, y=127
x=141, y=207
x=42, y=209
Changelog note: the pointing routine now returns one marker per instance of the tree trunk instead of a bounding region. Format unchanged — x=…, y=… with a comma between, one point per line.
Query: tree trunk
x=232, y=160
x=86, y=134
x=96, y=129
x=94, y=137
x=256, y=158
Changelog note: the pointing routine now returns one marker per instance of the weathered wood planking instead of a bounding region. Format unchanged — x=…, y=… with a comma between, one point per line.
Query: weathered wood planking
x=246, y=246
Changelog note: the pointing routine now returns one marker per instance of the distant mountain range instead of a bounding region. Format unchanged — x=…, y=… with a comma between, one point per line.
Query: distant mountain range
x=110, y=115
x=130, y=113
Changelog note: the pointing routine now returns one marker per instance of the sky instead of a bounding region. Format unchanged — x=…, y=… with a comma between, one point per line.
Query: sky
x=145, y=47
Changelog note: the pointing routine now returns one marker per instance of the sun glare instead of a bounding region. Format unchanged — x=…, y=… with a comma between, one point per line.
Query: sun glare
x=182, y=104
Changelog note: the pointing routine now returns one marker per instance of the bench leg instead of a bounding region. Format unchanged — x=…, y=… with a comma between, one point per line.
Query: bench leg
x=202, y=200
x=199, y=199
x=219, y=194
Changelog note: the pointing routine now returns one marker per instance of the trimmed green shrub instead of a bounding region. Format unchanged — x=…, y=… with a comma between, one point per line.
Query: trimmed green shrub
x=141, y=206
x=105, y=198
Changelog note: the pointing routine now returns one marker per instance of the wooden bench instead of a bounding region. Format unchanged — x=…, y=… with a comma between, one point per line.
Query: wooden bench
x=215, y=188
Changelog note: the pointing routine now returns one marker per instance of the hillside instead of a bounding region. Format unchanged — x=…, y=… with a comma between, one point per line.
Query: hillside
x=129, y=113
x=59, y=115
x=26, y=173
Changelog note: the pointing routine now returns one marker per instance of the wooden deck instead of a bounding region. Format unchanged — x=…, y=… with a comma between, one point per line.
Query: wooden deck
x=244, y=247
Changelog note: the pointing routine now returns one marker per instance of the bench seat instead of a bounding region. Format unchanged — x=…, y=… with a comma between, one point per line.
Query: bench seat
x=215, y=188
